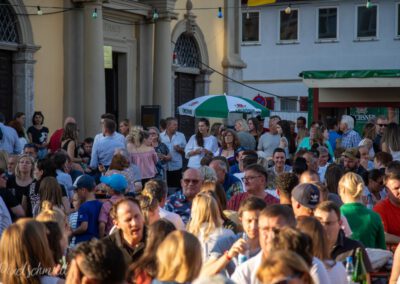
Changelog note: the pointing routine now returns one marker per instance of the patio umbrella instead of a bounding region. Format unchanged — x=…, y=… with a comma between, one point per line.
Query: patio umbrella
x=220, y=106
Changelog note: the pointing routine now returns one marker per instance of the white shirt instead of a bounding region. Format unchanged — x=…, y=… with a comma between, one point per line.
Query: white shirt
x=173, y=218
x=210, y=143
x=318, y=272
x=337, y=273
x=246, y=272
x=177, y=139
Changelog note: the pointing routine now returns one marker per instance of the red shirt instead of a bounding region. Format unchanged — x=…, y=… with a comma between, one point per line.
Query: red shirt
x=234, y=202
x=55, y=140
x=390, y=215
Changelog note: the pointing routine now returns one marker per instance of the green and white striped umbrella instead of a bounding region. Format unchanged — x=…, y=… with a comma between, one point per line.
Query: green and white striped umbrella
x=220, y=106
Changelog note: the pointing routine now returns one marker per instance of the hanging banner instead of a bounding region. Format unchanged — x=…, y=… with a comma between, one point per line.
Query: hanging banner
x=253, y=3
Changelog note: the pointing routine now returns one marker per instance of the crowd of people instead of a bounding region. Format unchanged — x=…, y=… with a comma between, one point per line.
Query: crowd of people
x=240, y=204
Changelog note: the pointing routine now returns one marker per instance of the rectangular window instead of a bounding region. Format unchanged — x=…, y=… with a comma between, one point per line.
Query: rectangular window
x=398, y=20
x=289, y=104
x=289, y=25
x=327, y=23
x=250, y=27
x=367, y=21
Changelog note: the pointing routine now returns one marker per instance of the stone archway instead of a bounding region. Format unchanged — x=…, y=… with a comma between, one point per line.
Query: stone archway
x=22, y=49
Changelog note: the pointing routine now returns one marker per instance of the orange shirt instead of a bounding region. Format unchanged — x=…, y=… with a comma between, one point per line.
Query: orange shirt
x=390, y=215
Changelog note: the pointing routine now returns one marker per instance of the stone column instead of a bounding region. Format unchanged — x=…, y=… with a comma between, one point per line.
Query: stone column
x=94, y=79
x=146, y=64
x=24, y=89
x=162, y=85
x=232, y=62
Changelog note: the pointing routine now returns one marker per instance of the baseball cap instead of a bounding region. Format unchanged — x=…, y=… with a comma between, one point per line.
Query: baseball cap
x=351, y=153
x=84, y=181
x=307, y=195
x=116, y=181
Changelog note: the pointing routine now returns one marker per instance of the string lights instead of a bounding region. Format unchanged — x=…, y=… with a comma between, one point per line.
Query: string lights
x=368, y=4
x=155, y=15
x=94, y=14
x=220, y=15
x=288, y=10
x=39, y=11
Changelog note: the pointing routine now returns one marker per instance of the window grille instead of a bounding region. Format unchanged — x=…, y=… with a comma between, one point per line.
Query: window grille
x=187, y=52
x=8, y=27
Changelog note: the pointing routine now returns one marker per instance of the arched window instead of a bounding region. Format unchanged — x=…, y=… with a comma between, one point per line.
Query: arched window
x=8, y=26
x=187, y=52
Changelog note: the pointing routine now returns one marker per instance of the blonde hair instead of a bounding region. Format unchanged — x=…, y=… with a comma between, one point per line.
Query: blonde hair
x=136, y=136
x=3, y=159
x=351, y=184
x=23, y=249
x=17, y=170
x=178, y=258
x=243, y=124
x=283, y=263
x=148, y=203
x=205, y=210
x=50, y=213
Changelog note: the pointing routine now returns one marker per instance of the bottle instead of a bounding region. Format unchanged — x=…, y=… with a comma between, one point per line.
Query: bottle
x=246, y=255
x=349, y=269
x=360, y=273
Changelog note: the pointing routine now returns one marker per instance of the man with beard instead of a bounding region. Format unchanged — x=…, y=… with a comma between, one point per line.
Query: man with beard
x=351, y=163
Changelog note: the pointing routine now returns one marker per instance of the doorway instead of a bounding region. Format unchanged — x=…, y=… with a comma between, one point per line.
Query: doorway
x=112, y=89
x=184, y=92
x=6, y=88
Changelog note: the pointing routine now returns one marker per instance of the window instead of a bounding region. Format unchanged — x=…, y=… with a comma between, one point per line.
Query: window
x=288, y=26
x=289, y=104
x=367, y=21
x=398, y=20
x=250, y=27
x=327, y=23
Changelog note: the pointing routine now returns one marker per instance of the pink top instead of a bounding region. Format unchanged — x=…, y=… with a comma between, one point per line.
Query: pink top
x=146, y=161
x=104, y=215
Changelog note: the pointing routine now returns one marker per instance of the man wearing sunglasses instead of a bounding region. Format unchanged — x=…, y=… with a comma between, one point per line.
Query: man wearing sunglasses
x=181, y=201
x=380, y=126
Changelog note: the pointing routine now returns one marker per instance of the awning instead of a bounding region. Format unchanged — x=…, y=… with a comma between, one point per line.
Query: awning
x=351, y=78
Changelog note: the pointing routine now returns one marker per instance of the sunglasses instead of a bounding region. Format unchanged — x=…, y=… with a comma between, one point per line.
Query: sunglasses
x=187, y=181
x=382, y=125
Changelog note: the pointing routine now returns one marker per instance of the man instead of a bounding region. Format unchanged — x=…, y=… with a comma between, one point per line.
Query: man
x=88, y=213
x=350, y=138
x=270, y=220
x=328, y=213
x=255, y=180
x=159, y=189
x=224, y=255
x=115, y=185
x=104, y=146
x=279, y=158
x=8, y=138
x=305, y=197
x=332, y=125
x=181, y=201
x=312, y=160
x=97, y=262
x=269, y=141
x=380, y=126
x=309, y=176
x=389, y=208
x=301, y=123
x=382, y=160
x=117, y=136
x=130, y=235
x=351, y=163
x=284, y=187
x=176, y=143
x=55, y=139
x=246, y=158
x=12, y=162
x=31, y=150
x=232, y=185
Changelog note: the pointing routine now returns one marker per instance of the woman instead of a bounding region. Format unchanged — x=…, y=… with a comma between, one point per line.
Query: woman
x=200, y=144
x=141, y=154
x=284, y=266
x=229, y=147
x=247, y=141
x=286, y=142
x=391, y=140
x=69, y=142
x=333, y=174
x=369, y=135
x=162, y=152
x=254, y=126
x=313, y=228
x=20, y=183
x=24, y=248
x=125, y=127
x=144, y=270
x=50, y=191
x=206, y=222
x=149, y=208
x=178, y=259
x=319, y=136
x=120, y=165
x=20, y=131
x=38, y=134
x=375, y=191
x=366, y=224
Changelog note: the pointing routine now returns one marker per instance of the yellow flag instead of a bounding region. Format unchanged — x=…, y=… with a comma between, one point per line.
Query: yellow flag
x=253, y=3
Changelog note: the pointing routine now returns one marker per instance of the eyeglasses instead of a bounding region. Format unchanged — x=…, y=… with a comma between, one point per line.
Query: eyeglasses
x=152, y=133
x=250, y=178
x=382, y=125
x=187, y=181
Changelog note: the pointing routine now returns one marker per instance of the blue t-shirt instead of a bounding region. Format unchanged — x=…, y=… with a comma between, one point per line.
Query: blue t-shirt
x=89, y=212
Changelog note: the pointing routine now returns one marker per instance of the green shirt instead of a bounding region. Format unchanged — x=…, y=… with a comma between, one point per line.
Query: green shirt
x=366, y=225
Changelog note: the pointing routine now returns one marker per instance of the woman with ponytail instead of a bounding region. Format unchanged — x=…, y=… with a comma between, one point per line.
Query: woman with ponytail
x=200, y=144
x=366, y=224
x=149, y=205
